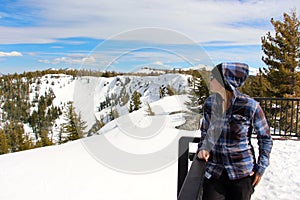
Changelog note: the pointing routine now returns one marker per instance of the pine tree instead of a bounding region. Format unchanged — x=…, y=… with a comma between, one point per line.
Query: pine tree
x=44, y=138
x=60, y=135
x=15, y=137
x=256, y=86
x=170, y=90
x=74, y=126
x=4, y=146
x=135, y=102
x=27, y=143
x=124, y=97
x=33, y=121
x=161, y=92
x=130, y=106
x=149, y=110
x=282, y=56
x=96, y=126
x=80, y=125
x=113, y=114
x=198, y=92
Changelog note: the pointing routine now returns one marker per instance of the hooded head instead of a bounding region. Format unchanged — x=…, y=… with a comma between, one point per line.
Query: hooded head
x=231, y=75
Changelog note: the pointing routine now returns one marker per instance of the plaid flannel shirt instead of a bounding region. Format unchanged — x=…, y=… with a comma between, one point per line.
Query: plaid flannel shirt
x=227, y=136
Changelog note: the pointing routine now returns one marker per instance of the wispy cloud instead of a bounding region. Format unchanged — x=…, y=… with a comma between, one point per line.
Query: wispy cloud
x=54, y=32
x=10, y=54
x=90, y=60
x=204, y=21
x=57, y=47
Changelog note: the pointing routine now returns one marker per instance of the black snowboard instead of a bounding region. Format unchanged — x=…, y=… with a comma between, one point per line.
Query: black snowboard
x=192, y=185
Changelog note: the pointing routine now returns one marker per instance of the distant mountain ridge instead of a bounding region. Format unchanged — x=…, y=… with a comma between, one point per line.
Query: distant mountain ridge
x=94, y=98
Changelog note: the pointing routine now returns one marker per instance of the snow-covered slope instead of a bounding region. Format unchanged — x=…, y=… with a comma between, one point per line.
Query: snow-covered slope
x=94, y=97
x=110, y=166
x=133, y=157
x=79, y=169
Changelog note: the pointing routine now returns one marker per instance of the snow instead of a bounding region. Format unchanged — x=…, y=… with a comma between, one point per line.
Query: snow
x=84, y=169
x=149, y=70
x=281, y=179
x=133, y=157
x=75, y=171
x=88, y=92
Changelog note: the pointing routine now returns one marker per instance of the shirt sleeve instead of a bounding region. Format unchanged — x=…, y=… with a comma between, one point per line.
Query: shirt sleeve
x=265, y=142
x=212, y=123
x=203, y=129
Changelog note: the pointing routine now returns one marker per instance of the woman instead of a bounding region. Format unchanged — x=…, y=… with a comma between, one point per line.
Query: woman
x=232, y=171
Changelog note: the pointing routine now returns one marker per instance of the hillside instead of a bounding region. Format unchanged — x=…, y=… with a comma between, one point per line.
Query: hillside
x=79, y=169
x=111, y=166
x=133, y=156
x=43, y=113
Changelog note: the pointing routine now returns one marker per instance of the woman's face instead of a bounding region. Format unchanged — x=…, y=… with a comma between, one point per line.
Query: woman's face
x=215, y=86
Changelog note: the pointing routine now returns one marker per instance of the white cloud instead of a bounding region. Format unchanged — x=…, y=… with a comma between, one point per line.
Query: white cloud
x=70, y=60
x=10, y=54
x=90, y=60
x=56, y=47
x=44, y=61
x=203, y=21
x=206, y=22
x=158, y=63
x=32, y=53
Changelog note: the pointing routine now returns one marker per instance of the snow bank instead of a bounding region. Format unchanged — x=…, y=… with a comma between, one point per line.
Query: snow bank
x=74, y=171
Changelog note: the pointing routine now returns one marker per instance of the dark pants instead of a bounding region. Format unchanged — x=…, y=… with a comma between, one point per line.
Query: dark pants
x=225, y=189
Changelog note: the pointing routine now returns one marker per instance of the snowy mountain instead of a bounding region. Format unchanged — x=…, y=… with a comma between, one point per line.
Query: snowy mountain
x=132, y=157
x=129, y=162
x=149, y=70
x=95, y=97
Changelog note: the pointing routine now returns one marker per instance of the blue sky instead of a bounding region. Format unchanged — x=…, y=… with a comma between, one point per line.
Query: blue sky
x=125, y=35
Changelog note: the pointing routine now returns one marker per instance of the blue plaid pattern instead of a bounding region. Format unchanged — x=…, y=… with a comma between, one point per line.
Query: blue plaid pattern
x=227, y=135
x=235, y=73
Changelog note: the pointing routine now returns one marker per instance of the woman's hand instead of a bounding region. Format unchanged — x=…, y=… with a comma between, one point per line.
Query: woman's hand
x=203, y=154
x=256, y=179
